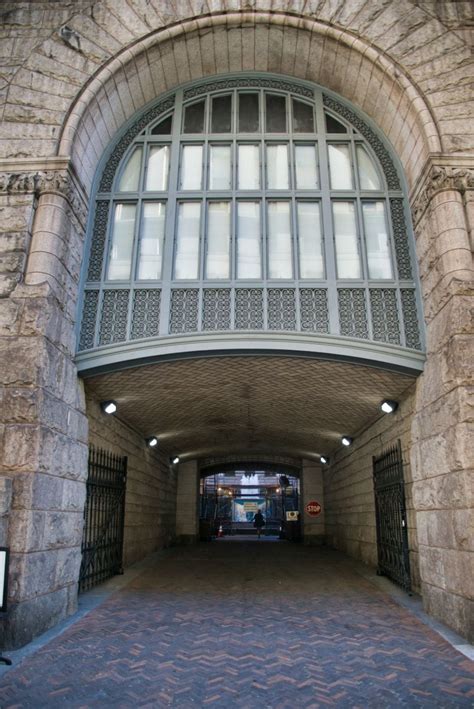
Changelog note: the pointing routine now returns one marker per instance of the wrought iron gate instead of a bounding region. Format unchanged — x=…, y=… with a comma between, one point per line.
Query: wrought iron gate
x=390, y=512
x=102, y=539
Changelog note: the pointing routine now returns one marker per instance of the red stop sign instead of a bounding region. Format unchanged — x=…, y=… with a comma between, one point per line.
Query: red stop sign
x=313, y=508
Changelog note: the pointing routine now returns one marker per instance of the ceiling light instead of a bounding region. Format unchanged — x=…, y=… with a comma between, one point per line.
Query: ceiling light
x=324, y=459
x=152, y=441
x=175, y=460
x=388, y=406
x=108, y=407
x=346, y=440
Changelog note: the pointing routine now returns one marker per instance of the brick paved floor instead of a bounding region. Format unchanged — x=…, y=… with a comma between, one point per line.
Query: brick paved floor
x=245, y=624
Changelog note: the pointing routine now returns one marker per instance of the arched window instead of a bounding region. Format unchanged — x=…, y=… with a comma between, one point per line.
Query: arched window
x=250, y=204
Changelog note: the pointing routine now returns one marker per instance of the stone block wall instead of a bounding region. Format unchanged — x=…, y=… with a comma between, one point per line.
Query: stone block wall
x=443, y=423
x=187, y=503
x=349, y=489
x=43, y=430
x=150, y=501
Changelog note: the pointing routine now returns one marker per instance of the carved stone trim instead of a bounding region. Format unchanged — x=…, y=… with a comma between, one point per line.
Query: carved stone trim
x=438, y=179
x=43, y=182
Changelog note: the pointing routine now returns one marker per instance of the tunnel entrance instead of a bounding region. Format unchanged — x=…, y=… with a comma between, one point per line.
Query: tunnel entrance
x=230, y=500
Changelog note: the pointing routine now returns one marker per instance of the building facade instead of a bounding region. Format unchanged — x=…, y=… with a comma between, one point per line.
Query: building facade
x=246, y=224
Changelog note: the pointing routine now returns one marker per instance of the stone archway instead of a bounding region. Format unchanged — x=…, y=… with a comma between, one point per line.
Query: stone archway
x=46, y=437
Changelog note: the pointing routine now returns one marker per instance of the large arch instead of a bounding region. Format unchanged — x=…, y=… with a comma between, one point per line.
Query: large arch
x=312, y=50
x=130, y=74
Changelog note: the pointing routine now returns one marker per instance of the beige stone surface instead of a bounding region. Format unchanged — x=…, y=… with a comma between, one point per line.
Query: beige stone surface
x=349, y=489
x=187, y=501
x=415, y=46
x=150, y=502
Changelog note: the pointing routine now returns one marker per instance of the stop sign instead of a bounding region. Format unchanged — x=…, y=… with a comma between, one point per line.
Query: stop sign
x=313, y=508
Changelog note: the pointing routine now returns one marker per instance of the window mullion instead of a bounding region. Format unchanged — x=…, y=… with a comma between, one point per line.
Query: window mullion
x=329, y=251
x=170, y=224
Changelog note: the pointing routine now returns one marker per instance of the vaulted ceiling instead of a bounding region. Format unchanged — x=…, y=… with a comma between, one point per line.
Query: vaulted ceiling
x=249, y=405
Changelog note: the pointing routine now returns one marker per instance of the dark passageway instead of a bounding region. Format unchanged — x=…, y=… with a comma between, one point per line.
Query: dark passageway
x=242, y=624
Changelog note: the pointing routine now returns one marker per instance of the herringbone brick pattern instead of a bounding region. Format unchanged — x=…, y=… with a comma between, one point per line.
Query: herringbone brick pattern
x=245, y=624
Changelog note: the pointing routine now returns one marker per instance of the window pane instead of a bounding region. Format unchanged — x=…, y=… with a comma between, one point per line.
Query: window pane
x=163, y=128
x=303, y=121
x=333, y=126
x=275, y=114
x=220, y=168
x=306, y=170
x=249, y=261
x=131, y=174
x=191, y=167
x=151, y=242
x=218, y=240
x=221, y=114
x=376, y=239
x=368, y=175
x=122, y=242
x=277, y=167
x=309, y=240
x=345, y=235
x=248, y=113
x=280, y=262
x=249, y=167
x=157, y=168
x=340, y=167
x=194, y=118
x=187, y=240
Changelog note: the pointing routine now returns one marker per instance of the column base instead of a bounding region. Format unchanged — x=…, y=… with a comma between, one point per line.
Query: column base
x=26, y=620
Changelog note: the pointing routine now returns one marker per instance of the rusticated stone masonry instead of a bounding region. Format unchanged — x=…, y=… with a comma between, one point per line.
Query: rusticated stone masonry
x=43, y=428
x=442, y=429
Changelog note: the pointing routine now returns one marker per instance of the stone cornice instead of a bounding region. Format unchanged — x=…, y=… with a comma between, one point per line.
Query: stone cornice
x=441, y=173
x=52, y=175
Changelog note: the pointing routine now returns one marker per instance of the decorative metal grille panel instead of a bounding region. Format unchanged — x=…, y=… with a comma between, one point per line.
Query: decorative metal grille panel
x=400, y=236
x=249, y=309
x=277, y=84
x=122, y=145
x=390, y=513
x=410, y=319
x=281, y=309
x=102, y=539
x=184, y=310
x=353, y=312
x=216, y=309
x=96, y=257
x=89, y=318
x=385, y=323
x=113, y=322
x=146, y=313
x=314, y=309
x=374, y=141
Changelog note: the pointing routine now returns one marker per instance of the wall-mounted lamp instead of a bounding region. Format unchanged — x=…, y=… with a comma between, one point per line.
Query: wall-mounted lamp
x=388, y=406
x=152, y=441
x=174, y=460
x=324, y=459
x=346, y=440
x=108, y=407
